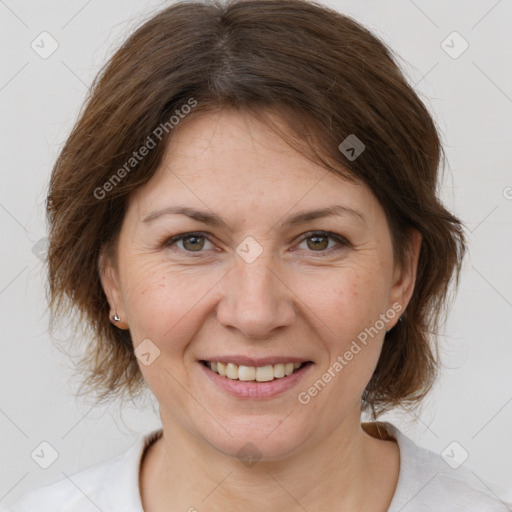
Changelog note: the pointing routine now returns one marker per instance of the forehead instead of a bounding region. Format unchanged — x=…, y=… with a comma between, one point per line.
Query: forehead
x=238, y=144
x=228, y=160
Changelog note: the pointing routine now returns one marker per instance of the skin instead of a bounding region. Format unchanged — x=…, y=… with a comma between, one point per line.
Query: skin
x=199, y=297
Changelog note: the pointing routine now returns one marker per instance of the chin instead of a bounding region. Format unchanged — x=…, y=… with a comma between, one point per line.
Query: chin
x=250, y=440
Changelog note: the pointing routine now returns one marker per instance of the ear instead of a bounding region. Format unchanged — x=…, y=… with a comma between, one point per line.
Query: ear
x=109, y=277
x=404, y=278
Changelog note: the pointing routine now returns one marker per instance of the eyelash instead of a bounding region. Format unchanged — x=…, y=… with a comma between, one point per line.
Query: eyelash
x=326, y=234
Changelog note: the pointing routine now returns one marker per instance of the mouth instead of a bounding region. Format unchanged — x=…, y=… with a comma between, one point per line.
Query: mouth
x=265, y=381
x=264, y=373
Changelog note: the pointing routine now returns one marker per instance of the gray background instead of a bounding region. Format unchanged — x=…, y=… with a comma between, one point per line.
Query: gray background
x=471, y=98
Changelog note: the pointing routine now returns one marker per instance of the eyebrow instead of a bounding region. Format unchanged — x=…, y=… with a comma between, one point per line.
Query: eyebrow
x=301, y=217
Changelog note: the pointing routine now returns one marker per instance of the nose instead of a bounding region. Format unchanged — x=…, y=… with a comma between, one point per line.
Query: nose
x=256, y=299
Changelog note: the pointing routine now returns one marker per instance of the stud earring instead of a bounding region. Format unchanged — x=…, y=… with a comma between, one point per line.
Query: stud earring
x=116, y=318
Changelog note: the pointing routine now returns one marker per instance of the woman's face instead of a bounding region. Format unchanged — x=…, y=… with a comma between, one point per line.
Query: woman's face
x=254, y=286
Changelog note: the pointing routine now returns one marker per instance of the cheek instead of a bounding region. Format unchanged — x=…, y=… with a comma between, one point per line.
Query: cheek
x=347, y=314
x=351, y=310
x=347, y=301
x=160, y=300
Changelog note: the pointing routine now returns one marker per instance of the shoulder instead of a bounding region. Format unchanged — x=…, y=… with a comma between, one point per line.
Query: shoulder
x=78, y=491
x=105, y=486
x=426, y=482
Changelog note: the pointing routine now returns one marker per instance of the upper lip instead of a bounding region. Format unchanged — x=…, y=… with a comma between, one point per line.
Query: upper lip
x=255, y=361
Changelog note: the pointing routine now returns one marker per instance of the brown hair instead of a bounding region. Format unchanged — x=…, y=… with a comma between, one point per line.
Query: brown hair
x=326, y=77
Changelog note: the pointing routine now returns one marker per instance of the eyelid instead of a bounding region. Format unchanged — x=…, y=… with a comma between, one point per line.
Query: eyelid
x=173, y=240
x=341, y=240
x=329, y=234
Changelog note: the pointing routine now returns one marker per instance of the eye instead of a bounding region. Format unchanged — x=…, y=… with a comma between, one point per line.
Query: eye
x=318, y=241
x=191, y=242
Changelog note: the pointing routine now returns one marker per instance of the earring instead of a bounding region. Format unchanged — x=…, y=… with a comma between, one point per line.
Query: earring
x=116, y=318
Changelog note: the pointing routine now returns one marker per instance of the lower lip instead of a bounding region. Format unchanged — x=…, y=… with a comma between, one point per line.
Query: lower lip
x=256, y=390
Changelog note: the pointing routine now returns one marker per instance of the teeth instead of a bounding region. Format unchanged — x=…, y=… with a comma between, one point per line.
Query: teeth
x=278, y=370
x=251, y=373
x=246, y=372
x=232, y=371
x=221, y=369
x=265, y=373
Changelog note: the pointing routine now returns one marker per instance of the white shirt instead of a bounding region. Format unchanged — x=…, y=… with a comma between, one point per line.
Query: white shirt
x=425, y=483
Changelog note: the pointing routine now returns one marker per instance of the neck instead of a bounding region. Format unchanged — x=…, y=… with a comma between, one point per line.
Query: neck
x=332, y=474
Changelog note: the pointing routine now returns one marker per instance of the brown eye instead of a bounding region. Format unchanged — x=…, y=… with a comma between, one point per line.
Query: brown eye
x=193, y=243
x=190, y=242
x=318, y=242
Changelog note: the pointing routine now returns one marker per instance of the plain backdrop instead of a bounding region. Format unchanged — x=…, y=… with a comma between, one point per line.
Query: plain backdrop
x=470, y=95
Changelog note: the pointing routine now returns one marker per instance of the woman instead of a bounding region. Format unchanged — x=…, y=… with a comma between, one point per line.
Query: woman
x=245, y=217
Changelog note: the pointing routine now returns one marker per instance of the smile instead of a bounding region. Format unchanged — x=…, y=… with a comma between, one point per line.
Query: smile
x=253, y=373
